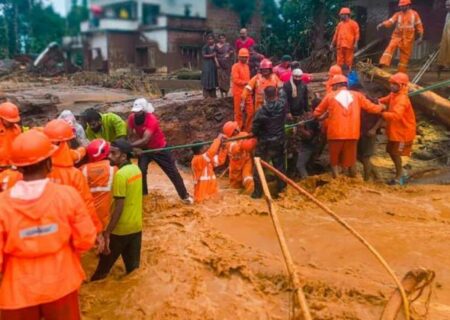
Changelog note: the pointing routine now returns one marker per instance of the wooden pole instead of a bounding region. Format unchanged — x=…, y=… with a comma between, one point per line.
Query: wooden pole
x=350, y=229
x=282, y=241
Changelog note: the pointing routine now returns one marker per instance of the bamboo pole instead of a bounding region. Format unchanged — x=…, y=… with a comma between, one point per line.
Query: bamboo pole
x=282, y=241
x=351, y=230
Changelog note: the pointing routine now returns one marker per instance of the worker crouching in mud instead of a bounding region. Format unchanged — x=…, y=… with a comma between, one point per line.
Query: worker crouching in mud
x=268, y=128
x=343, y=131
x=45, y=227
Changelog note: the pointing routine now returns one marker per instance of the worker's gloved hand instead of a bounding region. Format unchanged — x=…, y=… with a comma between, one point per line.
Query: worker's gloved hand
x=371, y=133
x=385, y=107
x=290, y=117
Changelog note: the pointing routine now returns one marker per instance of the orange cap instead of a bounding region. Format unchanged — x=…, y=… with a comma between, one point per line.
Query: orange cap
x=345, y=10
x=31, y=147
x=402, y=3
x=400, y=78
x=9, y=112
x=339, y=79
x=244, y=53
x=249, y=144
x=334, y=70
x=59, y=130
x=229, y=128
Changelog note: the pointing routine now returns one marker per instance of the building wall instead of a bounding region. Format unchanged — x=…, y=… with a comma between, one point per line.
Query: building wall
x=160, y=37
x=99, y=41
x=121, y=49
x=177, y=7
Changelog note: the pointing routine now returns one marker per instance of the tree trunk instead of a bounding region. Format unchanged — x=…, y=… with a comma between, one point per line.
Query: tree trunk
x=319, y=30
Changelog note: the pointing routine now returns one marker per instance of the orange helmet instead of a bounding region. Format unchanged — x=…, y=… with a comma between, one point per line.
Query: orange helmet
x=334, y=70
x=339, y=79
x=400, y=78
x=345, y=11
x=98, y=150
x=31, y=147
x=249, y=144
x=229, y=128
x=9, y=112
x=265, y=64
x=402, y=3
x=59, y=130
x=244, y=53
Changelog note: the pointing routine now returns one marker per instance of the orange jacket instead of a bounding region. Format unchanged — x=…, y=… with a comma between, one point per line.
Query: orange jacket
x=63, y=172
x=257, y=84
x=205, y=183
x=78, y=154
x=7, y=136
x=100, y=177
x=344, y=123
x=240, y=76
x=346, y=34
x=235, y=153
x=40, y=246
x=400, y=117
x=8, y=179
x=407, y=23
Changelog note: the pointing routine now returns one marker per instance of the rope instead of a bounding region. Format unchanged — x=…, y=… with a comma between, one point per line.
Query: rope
x=433, y=86
x=351, y=230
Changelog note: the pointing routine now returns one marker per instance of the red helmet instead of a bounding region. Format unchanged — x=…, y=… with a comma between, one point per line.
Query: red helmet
x=339, y=79
x=345, y=11
x=334, y=70
x=31, y=147
x=9, y=112
x=98, y=150
x=229, y=128
x=59, y=130
x=403, y=3
x=400, y=78
x=265, y=64
x=249, y=144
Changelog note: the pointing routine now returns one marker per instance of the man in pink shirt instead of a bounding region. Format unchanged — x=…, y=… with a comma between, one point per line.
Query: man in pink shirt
x=283, y=70
x=145, y=133
x=244, y=41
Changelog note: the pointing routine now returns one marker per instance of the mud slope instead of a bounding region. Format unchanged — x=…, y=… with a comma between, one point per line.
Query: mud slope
x=221, y=260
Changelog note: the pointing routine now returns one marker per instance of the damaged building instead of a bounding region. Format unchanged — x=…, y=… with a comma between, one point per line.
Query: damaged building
x=155, y=35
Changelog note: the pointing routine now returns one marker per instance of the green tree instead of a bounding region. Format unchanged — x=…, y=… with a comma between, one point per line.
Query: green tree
x=78, y=13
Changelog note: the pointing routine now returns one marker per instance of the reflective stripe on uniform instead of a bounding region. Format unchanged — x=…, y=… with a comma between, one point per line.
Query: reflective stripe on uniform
x=247, y=178
x=5, y=183
x=108, y=186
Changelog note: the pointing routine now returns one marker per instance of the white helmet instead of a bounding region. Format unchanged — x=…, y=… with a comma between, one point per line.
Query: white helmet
x=142, y=104
x=297, y=72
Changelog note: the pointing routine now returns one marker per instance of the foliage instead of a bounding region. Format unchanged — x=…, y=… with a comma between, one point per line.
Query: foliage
x=27, y=26
x=78, y=13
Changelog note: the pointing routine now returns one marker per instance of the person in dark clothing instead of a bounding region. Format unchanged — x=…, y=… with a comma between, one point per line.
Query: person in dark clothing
x=209, y=70
x=309, y=135
x=268, y=128
x=254, y=61
x=297, y=95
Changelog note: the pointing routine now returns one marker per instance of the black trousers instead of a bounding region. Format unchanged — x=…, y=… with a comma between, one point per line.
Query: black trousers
x=270, y=152
x=166, y=162
x=127, y=246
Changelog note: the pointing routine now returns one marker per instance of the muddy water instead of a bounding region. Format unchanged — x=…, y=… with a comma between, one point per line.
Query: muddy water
x=221, y=260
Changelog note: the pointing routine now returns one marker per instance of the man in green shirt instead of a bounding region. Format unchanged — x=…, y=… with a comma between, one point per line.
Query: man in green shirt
x=108, y=126
x=124, y=232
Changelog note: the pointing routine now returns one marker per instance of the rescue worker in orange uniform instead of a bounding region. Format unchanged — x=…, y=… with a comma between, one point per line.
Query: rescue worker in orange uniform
x=240, y=77
x=344, y=122
x=100, y=174
x=334, y=71
x=63, y=170
x=202, y=165
x=8, y=175
x=345, y=38
x=265, y=78
x=401, y=124
x=9, y=127
x=239, y=154
x=407, y=23
x=45, y=227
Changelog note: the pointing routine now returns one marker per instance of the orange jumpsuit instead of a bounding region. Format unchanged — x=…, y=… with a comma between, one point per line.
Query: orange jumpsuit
x=400, y=117
x=345, y=38
x=100, y=176
x=63, y=172
x=42, y=238
x=205, y=182
x=407, y=24
x=7, y=136
x=8, y=179
x=78, y=154
x=240, y=76
x=241, y=164
x=256, y=86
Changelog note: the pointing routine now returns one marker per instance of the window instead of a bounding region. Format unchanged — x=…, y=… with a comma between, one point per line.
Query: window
x=150, y=14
